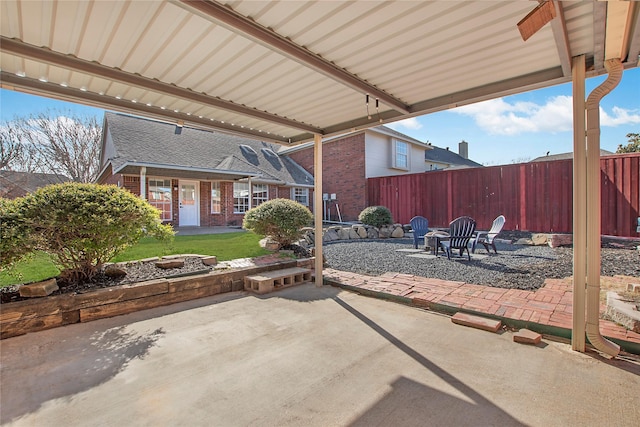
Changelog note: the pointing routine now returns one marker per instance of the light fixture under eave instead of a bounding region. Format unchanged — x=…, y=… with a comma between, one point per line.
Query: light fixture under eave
x=536, y=19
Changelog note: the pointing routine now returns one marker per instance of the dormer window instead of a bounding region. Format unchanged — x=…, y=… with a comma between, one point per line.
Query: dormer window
x=247, y=149
x=269, y=152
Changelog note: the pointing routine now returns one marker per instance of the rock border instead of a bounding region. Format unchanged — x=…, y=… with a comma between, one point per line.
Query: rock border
x=21, y=317
x=355, y=232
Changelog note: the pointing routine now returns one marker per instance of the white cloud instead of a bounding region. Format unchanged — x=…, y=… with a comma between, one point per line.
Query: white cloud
x=499, y=117
x=620, y=117
x=411, y=123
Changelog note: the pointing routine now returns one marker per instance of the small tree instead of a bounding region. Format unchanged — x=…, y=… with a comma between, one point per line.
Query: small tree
x=81, y=225
x=633, y=146
x=280, y=219
x=376, y=216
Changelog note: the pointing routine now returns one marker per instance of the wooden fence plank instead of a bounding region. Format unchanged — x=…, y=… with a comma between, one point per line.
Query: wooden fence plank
x=532, y=196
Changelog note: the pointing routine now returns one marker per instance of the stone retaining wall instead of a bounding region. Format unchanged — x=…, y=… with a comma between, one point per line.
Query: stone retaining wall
x=21, y=317
x=357, y=231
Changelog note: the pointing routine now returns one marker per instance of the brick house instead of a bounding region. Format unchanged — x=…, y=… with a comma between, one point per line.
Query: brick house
x=196, y=177
x=349, y=160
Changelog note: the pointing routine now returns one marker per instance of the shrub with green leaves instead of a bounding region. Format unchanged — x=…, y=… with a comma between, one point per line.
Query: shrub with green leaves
x=81, y=225
x=280, y=219
x=15, y=240
x=376, y=216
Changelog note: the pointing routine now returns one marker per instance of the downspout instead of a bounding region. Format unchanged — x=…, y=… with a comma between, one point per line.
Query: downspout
x=614, y=68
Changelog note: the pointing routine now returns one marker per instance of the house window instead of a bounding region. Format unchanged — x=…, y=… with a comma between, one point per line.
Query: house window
x=300, y=195
x=216, y=199
x=401, y=155
x=159, y=196
x=240, y=197
x=260, y=194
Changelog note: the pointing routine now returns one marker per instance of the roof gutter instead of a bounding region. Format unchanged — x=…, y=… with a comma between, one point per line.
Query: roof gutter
x=185, y=168
x=594, y=260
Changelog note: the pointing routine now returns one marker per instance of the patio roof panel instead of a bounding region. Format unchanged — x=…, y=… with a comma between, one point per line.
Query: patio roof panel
x=428, y=55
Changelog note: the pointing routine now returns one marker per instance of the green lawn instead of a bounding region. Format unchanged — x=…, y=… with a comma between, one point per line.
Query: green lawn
x=225, y=246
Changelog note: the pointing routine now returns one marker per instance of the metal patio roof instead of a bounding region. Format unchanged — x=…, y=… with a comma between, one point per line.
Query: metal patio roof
x=286, y=70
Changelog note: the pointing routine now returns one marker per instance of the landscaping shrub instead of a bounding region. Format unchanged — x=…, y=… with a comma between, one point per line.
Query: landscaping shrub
x=81, y=225
x=376, y=216
x=280, y=219
x=15, y=240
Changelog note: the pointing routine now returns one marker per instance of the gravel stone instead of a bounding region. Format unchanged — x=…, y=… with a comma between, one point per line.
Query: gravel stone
x=515, y=266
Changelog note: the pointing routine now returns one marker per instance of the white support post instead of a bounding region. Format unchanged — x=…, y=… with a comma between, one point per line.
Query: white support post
x=250, y=193
x=317, y=205
x=143, y=183
x=579, y=205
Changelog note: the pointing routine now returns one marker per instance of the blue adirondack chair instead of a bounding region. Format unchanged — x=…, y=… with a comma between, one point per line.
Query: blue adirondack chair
x=460, y=230
x=420, y=227
x=486, y=237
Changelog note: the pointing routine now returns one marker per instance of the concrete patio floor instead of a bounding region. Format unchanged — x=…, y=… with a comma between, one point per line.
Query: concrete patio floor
x=304, y=356
x=546, y=310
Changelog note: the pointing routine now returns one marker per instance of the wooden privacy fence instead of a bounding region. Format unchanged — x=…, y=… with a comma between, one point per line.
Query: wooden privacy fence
x=536, y=196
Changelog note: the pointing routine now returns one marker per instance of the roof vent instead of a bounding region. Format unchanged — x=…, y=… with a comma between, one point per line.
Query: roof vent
x=247, y=149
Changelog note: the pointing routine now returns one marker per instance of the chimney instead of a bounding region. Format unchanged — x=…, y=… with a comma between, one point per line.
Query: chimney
x=463, y=149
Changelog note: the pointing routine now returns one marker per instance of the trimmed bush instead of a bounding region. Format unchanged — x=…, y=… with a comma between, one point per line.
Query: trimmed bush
x=280, y=219
x=15, y=240
x=81, y=225
x=376, y=216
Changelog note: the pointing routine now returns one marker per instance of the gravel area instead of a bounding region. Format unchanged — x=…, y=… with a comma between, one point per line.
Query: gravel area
x=515, y=266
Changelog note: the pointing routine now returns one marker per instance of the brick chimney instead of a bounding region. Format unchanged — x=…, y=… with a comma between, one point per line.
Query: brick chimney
x=463, y=149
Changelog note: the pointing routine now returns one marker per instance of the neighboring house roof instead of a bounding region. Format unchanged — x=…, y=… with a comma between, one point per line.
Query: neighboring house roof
x=192, y=153
x=564, y=156
x=441, y=155
x=16, y=184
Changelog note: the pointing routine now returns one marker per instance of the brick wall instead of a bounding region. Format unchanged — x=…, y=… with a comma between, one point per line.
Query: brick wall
x=343, y=173
x=131, y=183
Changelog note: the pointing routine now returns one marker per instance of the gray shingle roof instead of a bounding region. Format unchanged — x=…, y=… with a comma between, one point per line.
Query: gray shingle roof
x=17, y=184
x=564, y=156
x=447, y=156
x=149, y=142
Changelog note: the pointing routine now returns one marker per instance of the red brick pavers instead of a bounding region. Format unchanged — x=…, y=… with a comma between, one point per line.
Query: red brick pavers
x=551, y=305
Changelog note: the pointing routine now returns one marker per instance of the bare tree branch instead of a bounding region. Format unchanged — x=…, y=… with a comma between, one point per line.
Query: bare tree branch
x=11, y=149
x=59, y=143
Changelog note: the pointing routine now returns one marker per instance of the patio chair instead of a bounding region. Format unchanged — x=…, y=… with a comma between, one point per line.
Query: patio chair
x=420, y=227
x=460, y=230
x=486, y=238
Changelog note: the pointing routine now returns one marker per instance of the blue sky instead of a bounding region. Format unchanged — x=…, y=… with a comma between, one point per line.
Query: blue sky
x=500, y=131
x=525, y=126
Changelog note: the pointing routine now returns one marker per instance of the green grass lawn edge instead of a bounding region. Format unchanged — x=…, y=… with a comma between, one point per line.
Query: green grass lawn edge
x=225, y=246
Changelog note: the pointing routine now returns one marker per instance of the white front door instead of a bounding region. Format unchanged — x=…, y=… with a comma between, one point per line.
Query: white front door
x=189, y=204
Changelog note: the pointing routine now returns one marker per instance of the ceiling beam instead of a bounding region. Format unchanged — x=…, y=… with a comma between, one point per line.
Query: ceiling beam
x=559, y=27
x=618, y=29
x=634, y=38
x=25, y=50
x=246, y=27
x=549, y=77
x=36, y=87
x=599, y=33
